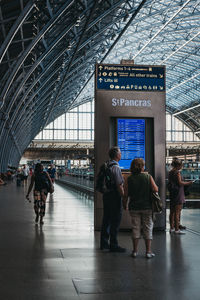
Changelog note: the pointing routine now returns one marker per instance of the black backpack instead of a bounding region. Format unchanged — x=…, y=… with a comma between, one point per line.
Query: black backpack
x=104, y=181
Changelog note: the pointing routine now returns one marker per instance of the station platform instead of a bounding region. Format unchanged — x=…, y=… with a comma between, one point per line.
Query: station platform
x=61, y=259
x=87, y=186
x=78, y=183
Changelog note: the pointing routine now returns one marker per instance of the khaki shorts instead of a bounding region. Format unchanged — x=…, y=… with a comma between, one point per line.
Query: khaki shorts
x=142, y=221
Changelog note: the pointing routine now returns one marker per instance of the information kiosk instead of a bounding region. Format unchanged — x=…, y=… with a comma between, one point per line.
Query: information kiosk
x=130, y=113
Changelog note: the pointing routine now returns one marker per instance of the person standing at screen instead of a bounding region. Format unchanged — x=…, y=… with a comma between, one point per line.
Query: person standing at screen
x=140, y=185
x=112, y=205
x=177, y=196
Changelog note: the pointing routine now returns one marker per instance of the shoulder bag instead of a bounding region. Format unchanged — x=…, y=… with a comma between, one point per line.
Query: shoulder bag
x=157, y=205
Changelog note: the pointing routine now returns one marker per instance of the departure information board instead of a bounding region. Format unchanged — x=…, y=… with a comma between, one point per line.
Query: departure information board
x=130, y=140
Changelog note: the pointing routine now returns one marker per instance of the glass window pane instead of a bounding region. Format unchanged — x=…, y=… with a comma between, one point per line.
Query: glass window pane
x=178, y=136
x=92, y=120
x=84, y=134
x=67, y=120
x=67, y=134
x=168, y=122
x=80, y=124
x=168, y=136
x=50, y=126
x=59, y=134
x=59, y=123
x=71, y=134
x=47, y=134
x=39, y=136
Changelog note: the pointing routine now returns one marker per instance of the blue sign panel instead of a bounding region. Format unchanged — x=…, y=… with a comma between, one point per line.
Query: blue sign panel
x=130, y=140
x=135, y=78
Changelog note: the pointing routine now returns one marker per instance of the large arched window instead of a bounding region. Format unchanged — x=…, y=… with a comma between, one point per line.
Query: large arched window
x=78, y=125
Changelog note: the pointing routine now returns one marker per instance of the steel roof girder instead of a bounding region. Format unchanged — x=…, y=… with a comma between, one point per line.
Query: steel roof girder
x=21, y=60
x=40, y=101
x=40, y=76
x=36, y=64
x=75, y=51
x=16, y=26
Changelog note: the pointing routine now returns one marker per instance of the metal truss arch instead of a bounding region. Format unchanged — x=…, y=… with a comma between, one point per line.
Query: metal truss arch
x=47, y=70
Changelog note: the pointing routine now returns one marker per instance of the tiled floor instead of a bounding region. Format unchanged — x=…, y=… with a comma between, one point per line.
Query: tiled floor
x=61, y=259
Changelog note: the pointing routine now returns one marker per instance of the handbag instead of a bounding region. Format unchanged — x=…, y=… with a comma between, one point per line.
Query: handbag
x=51, y=188
x=157, y=205
x=49, y=185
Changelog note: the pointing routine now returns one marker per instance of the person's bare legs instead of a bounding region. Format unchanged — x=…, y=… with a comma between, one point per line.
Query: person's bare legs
x=148, y=245
x=149, y=253
x=135, y=245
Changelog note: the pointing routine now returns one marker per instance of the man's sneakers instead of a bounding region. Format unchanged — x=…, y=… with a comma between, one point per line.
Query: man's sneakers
x=105, y=247
x=134, y=254
x=179, y=232
x=118, y=249
x=181, y=227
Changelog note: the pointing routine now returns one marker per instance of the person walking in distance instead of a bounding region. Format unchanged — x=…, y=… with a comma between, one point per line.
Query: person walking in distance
x=25, y=173
x=112, y=205
x=52, y=173
x=41, y=180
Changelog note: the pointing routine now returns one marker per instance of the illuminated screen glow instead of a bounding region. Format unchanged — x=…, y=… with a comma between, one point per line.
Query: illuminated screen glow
x=130, y=140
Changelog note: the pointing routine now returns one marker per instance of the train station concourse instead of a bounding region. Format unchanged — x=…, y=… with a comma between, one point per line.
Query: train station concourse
x=95, y=94
x=62, y=259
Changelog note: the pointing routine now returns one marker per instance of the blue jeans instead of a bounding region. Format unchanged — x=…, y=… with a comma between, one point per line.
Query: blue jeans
x=112, y=214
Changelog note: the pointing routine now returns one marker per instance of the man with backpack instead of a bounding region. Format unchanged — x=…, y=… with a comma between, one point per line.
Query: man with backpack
x=110, y=183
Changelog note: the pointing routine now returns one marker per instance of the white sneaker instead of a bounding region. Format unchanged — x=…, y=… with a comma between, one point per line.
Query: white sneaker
x=172, y=230
x=134, y=254
x=150, y=255
x=179, y=232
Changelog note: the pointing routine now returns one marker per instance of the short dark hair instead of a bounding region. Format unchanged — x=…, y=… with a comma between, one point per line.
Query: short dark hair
x=176, y=163
x=38, y=168
x=113, y=152
x=137, y=165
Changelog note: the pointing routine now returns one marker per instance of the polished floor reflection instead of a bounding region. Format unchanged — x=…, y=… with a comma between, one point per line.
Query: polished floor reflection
x=61, y=259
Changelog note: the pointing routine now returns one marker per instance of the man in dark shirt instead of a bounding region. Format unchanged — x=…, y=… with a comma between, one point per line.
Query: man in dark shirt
x=52, y=173
x=112, y=205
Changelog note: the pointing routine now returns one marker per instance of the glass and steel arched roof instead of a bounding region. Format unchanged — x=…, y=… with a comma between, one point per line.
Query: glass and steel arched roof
x=49, y=48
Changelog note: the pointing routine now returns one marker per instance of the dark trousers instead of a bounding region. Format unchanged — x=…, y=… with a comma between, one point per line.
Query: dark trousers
x=112, y=214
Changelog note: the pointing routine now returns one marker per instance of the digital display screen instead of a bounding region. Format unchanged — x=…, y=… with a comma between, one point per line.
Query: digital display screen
x=130, y=140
